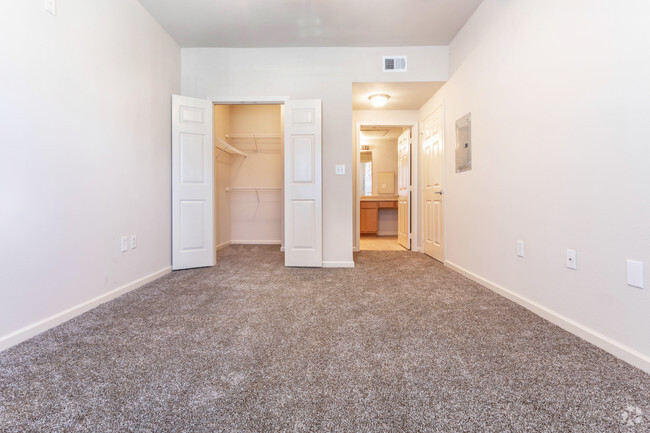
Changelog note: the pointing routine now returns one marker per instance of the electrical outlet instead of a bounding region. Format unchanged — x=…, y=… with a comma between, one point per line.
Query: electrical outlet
x=50, y=6
x=134, y=241
x=520, y=248
x=340, y=170
x=124, y=243
x=571, y=259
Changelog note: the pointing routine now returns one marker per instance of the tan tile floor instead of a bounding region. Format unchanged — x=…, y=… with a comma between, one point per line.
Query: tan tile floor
x=380, y=243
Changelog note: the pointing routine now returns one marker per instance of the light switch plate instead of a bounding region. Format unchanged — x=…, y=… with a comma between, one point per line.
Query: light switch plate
x=124, y=243
x=340, y=170
x=635, y=273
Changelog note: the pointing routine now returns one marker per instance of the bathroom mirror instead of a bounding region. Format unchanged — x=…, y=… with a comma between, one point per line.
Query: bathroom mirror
x=365, y=171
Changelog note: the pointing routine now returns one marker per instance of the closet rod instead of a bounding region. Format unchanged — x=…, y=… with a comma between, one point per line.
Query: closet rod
x=256, y=190
x=227, y=147
x=254, y=138
x=247, y=188
x=252, y=135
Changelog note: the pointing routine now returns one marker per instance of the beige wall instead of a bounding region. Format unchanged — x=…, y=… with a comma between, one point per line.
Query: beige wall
x=307, y=73
x=85, y=157
x=560, y=97
x=256, y=221
x=384, y=159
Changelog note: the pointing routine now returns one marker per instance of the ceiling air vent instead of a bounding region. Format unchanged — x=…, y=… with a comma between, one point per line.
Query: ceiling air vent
x=394, y=63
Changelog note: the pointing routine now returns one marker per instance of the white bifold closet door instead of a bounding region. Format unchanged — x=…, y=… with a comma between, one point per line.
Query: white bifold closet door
x=192, y=183
x=303, y=210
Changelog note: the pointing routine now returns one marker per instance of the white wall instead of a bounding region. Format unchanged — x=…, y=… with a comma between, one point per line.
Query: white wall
x=306, y=73
x=560, y=101
x=85, y=156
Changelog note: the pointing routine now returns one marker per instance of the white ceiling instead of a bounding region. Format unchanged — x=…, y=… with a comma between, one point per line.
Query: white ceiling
x=372, y=133
x=311, y=23
x=403, y=96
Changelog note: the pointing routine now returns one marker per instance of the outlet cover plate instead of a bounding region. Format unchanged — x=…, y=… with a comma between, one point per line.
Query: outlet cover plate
x=571, y=259
x=635, y=273
x=520, y=248
x=50, y=6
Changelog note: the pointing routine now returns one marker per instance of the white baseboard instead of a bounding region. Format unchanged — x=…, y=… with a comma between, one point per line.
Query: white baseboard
x=610, y=345
x=223, y=245
x=29, y=331
x=247, y=242
x=329, y=264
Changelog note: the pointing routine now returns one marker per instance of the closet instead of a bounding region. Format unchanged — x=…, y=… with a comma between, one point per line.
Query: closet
x=248, y=174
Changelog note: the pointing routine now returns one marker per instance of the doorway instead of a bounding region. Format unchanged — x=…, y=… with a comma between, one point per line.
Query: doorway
x=195, y=148
x=248, y=174
x=385, y=208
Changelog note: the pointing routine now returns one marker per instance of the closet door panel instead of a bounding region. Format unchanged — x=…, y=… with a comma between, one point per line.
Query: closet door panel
x=303, y=234
x=303, y=184
x=302, y=148
x=192, y=184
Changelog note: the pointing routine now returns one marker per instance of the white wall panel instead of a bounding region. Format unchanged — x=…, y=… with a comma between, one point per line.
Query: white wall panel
x=560, y=98
x=86, y=108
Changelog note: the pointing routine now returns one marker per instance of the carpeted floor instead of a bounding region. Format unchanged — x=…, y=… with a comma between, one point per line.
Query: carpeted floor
x=251, y=346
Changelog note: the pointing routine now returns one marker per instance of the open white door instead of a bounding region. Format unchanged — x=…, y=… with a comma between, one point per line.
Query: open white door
x=432, y=177
x=404, y=189
x=303, y=210
x=192, y=184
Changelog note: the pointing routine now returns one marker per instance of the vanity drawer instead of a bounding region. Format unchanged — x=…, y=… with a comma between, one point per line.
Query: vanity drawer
x=368, y=205
x=388, y=204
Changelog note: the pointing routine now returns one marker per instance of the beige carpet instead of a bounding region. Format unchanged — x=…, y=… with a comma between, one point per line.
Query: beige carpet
x=252, y=346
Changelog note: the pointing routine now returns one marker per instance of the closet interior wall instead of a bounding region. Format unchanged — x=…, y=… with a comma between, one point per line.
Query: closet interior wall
x=249, y=189
x=222, y=173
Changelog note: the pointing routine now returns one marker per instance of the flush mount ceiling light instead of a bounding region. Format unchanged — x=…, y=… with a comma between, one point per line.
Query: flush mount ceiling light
x=379, y=100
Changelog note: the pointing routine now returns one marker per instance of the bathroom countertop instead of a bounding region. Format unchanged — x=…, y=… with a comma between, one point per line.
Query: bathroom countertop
x=379, y=198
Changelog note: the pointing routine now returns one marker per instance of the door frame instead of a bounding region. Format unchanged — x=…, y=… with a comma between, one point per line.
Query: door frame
x=415, y=179
x=257, y=100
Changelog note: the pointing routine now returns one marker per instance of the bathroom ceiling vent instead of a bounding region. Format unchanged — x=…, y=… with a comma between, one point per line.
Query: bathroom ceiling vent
x=394, y=63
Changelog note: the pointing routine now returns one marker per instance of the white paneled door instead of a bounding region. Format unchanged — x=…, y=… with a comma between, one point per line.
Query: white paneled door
x=432, y=177
x=192, y=184
x=404, y=189
x=303, y=210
